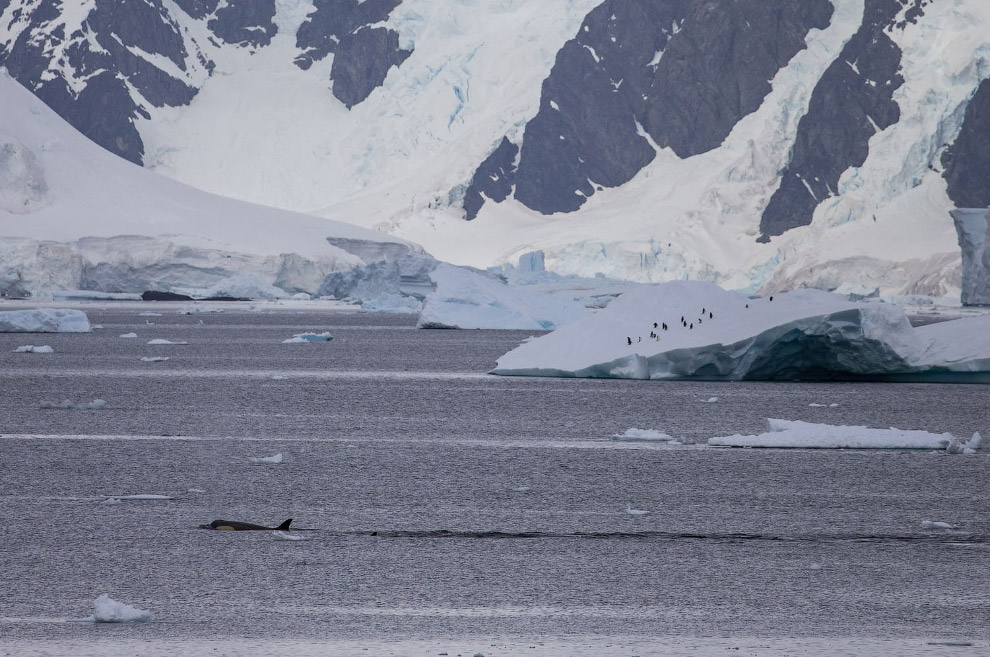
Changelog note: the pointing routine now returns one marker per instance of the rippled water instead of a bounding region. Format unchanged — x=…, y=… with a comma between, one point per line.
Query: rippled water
x=451, y=505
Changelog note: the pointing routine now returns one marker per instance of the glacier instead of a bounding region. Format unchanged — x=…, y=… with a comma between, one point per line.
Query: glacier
x=696, y=330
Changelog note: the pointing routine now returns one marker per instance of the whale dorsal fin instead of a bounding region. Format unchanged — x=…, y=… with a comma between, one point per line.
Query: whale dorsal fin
x=285, y=525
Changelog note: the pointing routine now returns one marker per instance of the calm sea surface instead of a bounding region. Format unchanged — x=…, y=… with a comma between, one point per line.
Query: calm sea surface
x=462, y=513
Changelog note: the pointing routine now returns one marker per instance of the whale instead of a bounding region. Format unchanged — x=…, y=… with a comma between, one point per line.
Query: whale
x=236, y=526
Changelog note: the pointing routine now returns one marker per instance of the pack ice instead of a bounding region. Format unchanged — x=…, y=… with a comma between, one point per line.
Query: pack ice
x=696, y=330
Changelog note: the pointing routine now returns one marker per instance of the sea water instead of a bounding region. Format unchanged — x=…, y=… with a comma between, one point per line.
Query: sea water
x=462, y=513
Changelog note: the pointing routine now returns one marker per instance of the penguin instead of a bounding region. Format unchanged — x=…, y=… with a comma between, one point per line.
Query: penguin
x=665, y=326
x=702, y=311
x=747, y=305
x=654, y=324
x=692, y=325
x=771, y=297
x=640, y=339
x=710, y=315
x=682, y=318
x=629, y=340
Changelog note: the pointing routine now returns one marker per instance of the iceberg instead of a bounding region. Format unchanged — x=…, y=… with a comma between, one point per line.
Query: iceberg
x=806, y=435
x=696, y=330
x=108, y=610
x=44, y=320
x=469, y=300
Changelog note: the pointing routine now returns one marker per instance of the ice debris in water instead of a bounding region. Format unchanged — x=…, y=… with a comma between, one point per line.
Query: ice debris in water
x=642, y=435
x=814, y=405
x=154, y=359
x=108, y=610
x=309, y=337
x=95, y=405
x=635, y=512
x=32, y=349
x=934, y=524
x=163, y=341
x=971, y=446
x=710, y=400
x=139, y=497
x=807, y=435
x=277, y=458
x=128, y=335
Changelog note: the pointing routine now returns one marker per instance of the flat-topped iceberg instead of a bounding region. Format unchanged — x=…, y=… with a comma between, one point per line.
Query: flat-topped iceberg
x=469, y=300
x=696, y=330
x=807, y=435
x=44, y=320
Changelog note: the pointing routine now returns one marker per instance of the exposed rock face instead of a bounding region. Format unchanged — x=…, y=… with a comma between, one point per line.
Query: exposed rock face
x=83, y=71
x=973, y=228
x=103, y=71
x=967, y=161
x=493, y=179
x=363, y=54
x=851, y=103
x=678, y=73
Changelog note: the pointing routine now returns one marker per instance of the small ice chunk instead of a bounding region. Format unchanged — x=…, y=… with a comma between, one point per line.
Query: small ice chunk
x=32, y=349
x=149, y=314
x=164, y=341
x=111, y=501
x=95, y=405
x=108, y=610
x=522, y=489
x=129, y=335
x=309, y=337
x=636, y=512
x=935, y=524
x=140, y=497
x=807, y=435
x=277, y=458
x=642, y=435
x=154, y=359
x=195, y=490
x=710, y=400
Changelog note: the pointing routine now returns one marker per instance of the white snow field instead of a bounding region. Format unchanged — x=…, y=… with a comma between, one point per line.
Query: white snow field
x=76, y=214
x=108, y=610
x=45, y=320
x=713, y=334
x=807, y=435
x=469, y=300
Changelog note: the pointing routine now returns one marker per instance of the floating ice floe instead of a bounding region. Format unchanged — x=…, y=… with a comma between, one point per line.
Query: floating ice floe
x=467, y=299
x=300, y=338
x=710, y=400
x=286, y=536
x=277, y=458
x=108, y=610
x=154, y=359
x=33, y=349
x=149, y=314
x=44, y=320
x=111, y=501
x=696, y=330
x=139, y=498
x=129, y=335
x=195, y=490
x=814, y=405
x=643, y=435
x=164, y=341
x=95, y=405
x=807, y=435
x=636, y=512
x=937, y=525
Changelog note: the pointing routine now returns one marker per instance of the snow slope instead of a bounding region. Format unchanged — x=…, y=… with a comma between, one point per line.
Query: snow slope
x=71, y=212
x=713, y=334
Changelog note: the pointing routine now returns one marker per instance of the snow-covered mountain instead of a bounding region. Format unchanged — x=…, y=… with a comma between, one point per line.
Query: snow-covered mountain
x=760, y=144
x=73, y=216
